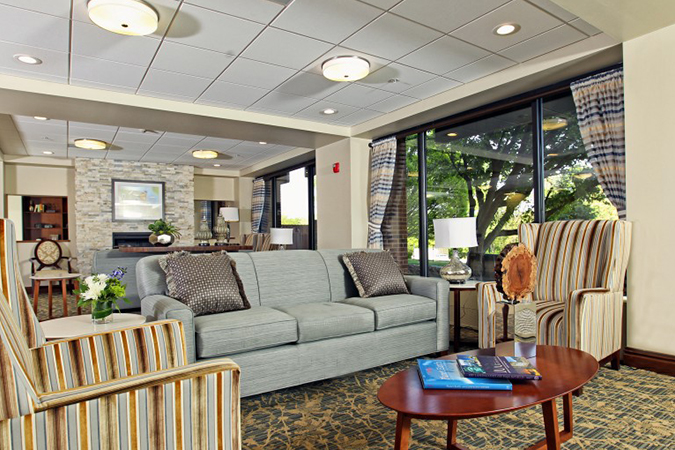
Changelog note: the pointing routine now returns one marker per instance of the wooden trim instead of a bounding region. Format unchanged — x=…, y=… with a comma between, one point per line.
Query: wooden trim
x=656, y=362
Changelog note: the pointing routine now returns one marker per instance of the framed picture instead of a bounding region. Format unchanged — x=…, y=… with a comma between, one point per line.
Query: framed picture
x=137, y=200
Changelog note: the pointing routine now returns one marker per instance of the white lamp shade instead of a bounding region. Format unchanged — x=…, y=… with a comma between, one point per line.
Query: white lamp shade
x=455, y=233
x=281, y=236
x=230, y=214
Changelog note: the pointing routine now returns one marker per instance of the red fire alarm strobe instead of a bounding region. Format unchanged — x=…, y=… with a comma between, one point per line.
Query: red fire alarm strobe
x=336, y=167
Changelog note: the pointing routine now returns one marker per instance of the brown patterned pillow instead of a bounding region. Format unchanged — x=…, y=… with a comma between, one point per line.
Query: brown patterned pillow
x=375, y=273
x=207, y=283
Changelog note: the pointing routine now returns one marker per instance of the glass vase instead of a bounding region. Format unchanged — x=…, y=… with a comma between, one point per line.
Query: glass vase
x=102, y=312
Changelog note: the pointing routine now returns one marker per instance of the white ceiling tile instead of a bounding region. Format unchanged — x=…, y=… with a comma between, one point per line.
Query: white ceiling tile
x=79, y=153
x=102, y=86
x=106, y=72
x=50, y=127
x=220, y=144
x=391, y=37
x=54, y=64
x=166, y=9
x=34, y=29
x=257, y=74
x=313, y=112
x=34, y=75
x=531, y=19
x=310, y=85
x=262, y=11
x=223, y=92
x=550, y=7
x=149, y=157
x=21, y=120
x=376, y=62
x=584, y=26
x=444, y=55
x=544, y=43
x=123, y=156
x=480, y=69
x=384, y=4
x=285, y=49
x=178, y=139
x=93, y=126
x=212, y=30
x=59, y=8
x=358, y=96
x=216, y=104
x=175, y=84
x=195, y=61
x=90, y=40
x=359, y=116
x=137, y=137
x=77, y=132
x=393, y=103
x=433, y=87
x=165, y=96
x=405, y=77
x=168, y=150
x=286, y=103
x=327, y=20
x=57, y=152
x=445, y=15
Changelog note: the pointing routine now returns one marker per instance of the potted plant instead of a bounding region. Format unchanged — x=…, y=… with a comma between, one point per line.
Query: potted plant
x=102, y=292
x=163, y=233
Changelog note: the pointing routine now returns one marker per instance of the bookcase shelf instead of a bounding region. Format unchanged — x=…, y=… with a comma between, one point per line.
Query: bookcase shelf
x=35, y=216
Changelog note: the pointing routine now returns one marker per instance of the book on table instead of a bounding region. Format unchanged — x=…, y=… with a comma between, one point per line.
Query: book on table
x=444, y=374
x=497, y=367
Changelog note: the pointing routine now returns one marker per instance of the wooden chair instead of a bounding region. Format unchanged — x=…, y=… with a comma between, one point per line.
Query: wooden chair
x=48, y=257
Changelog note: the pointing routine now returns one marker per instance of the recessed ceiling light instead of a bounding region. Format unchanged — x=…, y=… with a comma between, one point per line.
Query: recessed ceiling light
x=27, y=59
x=329, y=111
x=345, y=68
x=47, y=153
x=40, y=118
x=216, y=165
x=91, y=144
x=553, y=123
x=128, y=17
x=262, y=143
x=452, y=134
x=506, y=29
x=205, y=154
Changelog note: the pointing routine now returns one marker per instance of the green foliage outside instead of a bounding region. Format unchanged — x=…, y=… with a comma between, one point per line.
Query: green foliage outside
x=285, y=220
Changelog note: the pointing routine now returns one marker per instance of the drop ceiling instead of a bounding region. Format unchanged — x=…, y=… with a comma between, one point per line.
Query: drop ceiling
x=262, y=56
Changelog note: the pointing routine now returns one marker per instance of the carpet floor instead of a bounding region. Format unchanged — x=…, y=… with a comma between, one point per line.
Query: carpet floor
x=629, y=409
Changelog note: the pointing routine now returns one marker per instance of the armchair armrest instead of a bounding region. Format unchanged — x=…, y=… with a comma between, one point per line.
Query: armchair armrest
x=438, y=290
x=91, y=359
x=592, y=321
x=160, y=307
x=486, y=297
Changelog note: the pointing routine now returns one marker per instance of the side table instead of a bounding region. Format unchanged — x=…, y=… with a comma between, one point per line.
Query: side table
x=63, y=278
x=68, y=327
x=457, y=290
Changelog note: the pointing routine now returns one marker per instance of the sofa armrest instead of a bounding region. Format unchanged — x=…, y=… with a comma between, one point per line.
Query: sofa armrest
x=592, y=321
x=160, y=307
x=438, y=290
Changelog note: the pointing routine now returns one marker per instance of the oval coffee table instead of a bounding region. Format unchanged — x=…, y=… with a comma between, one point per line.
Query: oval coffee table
x=564, y=370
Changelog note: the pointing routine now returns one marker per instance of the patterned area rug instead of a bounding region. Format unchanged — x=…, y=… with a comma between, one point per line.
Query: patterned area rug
x=629, y=409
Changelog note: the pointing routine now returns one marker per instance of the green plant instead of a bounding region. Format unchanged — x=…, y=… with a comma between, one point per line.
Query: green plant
x=161, y=226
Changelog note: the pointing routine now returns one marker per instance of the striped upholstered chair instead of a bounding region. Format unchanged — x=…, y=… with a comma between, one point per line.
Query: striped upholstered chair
x=581, y=265
x=130, y=388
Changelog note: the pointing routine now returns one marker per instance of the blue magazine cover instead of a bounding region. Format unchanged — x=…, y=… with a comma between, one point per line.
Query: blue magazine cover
x=444, y=374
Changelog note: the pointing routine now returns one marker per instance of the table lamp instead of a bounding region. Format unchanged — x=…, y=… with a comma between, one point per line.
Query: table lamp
x=227, y=214
x=453, y=234
x=281, y=237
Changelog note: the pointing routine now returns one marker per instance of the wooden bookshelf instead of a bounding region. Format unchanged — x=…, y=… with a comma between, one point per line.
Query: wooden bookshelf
x=48, y=218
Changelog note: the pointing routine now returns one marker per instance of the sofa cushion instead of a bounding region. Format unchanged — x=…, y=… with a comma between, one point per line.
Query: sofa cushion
x=375, y=274
x=240, y=331
x=396, y=310
x=317, y=321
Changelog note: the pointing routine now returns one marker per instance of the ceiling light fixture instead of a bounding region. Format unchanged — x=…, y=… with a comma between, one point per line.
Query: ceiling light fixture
x=506, y=29
x=91, y=144
x=262, y=143
x=452, y=134
x=27, y=59
x=345, y=68
x=40, y=118
x=47, y=153
x=128, y=17
x=329, y=111
x=553, y=123
x=205, y=154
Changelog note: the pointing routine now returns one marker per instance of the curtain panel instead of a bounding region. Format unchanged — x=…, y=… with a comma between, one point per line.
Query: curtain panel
x=258, y=207
x=382, y=166
x=600, y=114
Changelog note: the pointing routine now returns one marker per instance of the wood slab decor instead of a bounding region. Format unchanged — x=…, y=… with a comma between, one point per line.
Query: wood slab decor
x=516, y=271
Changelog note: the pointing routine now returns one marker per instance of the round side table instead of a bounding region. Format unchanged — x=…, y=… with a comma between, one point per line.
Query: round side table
x=63, y=278
x=67, y=327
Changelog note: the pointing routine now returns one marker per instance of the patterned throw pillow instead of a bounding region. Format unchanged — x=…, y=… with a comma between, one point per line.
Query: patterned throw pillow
x=375, y=273
x=207, y=283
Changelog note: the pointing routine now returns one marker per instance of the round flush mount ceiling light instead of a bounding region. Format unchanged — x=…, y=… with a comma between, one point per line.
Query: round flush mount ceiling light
x=40, y=118
x=91, y=144
x=128, y=17
x=553, y=123
x=345, y=68
x=329, y=111
x=506, y=29
x=27, y=59
x=205, y=154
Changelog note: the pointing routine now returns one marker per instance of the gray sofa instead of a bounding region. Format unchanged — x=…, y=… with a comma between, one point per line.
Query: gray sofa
x=306, y=321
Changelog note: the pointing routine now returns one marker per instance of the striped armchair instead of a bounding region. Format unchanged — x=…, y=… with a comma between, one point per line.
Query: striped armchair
x=131, y=388
x=579, y=289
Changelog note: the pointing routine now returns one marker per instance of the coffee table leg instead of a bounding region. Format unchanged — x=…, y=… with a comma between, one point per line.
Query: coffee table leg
x=567, y=417
x=36, y=294
x=402, y=432
x=452, y=436
x=555, y=436
x=49, y=296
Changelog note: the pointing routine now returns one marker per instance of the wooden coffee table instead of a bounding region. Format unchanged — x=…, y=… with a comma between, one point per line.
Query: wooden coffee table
x=564, y=370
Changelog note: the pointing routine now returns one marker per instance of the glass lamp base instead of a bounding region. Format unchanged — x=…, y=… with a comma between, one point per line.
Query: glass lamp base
x=456, y=272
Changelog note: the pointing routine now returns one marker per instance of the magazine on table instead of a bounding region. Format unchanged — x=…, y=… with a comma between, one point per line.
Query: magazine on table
x=444, y=374
x=499, y=367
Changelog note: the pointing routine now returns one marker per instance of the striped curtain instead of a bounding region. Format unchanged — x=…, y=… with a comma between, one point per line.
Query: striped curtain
x=382, y=165
x=600, y=113
x=258, y=216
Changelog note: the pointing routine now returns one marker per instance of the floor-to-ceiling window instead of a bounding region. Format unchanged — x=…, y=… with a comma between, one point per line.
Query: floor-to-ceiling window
x=519, y=162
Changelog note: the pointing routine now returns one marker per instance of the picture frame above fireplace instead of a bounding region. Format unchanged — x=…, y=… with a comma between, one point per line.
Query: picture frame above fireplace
x=137, y=201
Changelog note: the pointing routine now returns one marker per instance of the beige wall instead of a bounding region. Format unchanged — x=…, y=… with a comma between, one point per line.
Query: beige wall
x=342, y=198
x=215, y=188
x=649, y=97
